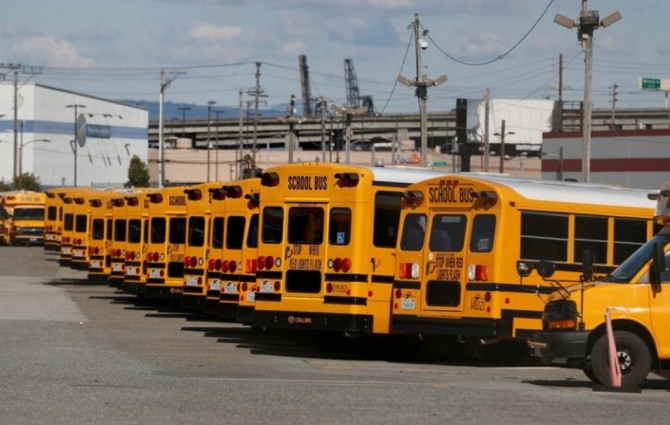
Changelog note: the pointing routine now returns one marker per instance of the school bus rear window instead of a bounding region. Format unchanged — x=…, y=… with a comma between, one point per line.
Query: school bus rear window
x=252, y=233
x=80, y=222
x=447, y=233
x=217, y=232
x=68, y=222
x=235, y=233
x=414, y=232
x=98, y=229
x=340, y=226
x=158, y=228
x=273, y=219
x=305, y=225
x=387, y=219
x=178, y=230
x=134, y=231
x=196, y=231
x=120, y=230
x=52, y=213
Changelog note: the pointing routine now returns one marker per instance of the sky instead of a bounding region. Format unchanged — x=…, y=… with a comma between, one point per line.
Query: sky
x=208, y=49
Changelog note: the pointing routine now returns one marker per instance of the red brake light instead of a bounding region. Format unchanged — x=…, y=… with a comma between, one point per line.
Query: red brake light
x=346, y=265
x=225, y=266
x=337, y=264
x=261, y=262
x=217, y=264
x=269, y=262
x=233, y=266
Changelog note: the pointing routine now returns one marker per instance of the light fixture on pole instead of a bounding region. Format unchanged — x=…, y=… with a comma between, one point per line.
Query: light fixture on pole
x=291, y=119
x=79, y=135
x=216, y=153
x=21, y=151
x=588, y=22
x=422, y=83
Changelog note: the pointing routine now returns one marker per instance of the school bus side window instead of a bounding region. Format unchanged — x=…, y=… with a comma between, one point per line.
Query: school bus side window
x=196, y=231
x=544, y=236
x=273, y=220
x=178, y=230
x=340, y=226
x=235, y=234
x=629, y=235
x=158, y=230
x=591, y=234
x=387, y=219
x=98, y=229
x=252, y=234
x=413, y=233
x=217, y=232
x=447, y=233
x=483, y=232
x=305, y=225
x=134, y=231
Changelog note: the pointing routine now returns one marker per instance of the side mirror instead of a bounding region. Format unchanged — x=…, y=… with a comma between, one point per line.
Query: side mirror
x=523, y=268
x=587, y=265
x=546, y=268
x=657, y=265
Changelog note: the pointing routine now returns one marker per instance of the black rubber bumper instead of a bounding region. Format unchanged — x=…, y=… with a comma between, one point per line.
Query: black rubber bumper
x=358, y=324
x=560, y=347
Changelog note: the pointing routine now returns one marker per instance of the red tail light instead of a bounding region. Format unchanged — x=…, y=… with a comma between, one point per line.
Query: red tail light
x=211, y=264
x=269, y=262
x=217, y=264
x=225, y=266
x=261, y=262
x=346, y=265
x=409, y=270
x=252, y=265
x=233, y=266
x=337, y=264
x=478, y=272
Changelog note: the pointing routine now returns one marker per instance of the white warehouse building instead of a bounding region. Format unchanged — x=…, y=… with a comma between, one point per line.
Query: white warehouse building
x=39, y=136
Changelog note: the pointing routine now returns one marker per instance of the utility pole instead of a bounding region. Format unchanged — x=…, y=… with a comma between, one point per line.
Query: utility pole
x=421, y=83
x=257, y=92
x=322, y=104
x=291, y=119
x=588, y=22
x=240, y=141
x=348, y=132
x=209, y=133
x=487, y=106
x=502, y=135
x=614, y=99
x=165, y=83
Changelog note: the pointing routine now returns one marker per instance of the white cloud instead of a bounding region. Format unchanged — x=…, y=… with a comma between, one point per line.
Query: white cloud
x=50, y=51
x=293, y=48
x=209, y=32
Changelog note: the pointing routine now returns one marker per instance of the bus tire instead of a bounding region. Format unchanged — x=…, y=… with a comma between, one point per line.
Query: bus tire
x=587, y=368
x=634, y=359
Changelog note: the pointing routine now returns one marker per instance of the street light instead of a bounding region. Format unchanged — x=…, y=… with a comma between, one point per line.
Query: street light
x=21, y=151
x=77, y=137
x=216, y=154
x=209, y=122
x=183, y=110
x=588, y=22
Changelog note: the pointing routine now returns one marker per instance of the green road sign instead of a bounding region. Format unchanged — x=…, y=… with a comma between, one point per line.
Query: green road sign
x=440, y=163
x=650, y=83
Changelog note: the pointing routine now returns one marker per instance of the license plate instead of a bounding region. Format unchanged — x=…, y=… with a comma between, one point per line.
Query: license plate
x=117, y=267
x=408, y=304
x=95, y=264
x=266, y=287
x=251, y=296
x=230, y=288
x=191, y=281
x=131, y=271
x=154, y=274
x=215, y=285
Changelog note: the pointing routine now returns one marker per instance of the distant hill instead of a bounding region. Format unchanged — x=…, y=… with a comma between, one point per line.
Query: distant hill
x=172, y=110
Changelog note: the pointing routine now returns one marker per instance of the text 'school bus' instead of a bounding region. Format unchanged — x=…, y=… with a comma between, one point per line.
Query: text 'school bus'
x=326, y=252
x=462, y=236
x=635, y=296
x=102, y=221
x=200, y=201
x=24, y=224
x=167, y=239
x=237, y=278
x=137, y=215
x=80, y=231
x=117, y=245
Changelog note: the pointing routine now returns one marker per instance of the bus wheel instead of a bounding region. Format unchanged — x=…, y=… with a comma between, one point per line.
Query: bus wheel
x=634, y=359
x=588, y=371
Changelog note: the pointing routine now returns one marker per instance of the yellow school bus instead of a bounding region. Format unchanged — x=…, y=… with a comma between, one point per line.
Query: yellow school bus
x=199, y=209
x=25, y=223
x=137, y=216
x=635, y=296
x=167, y=240
x=54, y=215
x=462, y=236
x=326, y=252
x=4, y=222
x=53, y=219
x=117, y=244
x=101, y=235
x=237, y=269
x=80, y=231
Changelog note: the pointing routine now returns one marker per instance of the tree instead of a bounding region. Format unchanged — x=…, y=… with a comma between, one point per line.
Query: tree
x=5, y=187
x=138, y=173
x=27, y=181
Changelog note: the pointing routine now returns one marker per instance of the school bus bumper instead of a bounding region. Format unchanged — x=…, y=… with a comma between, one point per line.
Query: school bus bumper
x=314, y=321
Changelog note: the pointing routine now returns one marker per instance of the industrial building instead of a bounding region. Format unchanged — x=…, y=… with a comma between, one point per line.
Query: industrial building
x=66, y=138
